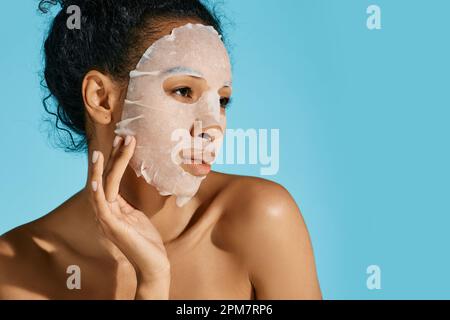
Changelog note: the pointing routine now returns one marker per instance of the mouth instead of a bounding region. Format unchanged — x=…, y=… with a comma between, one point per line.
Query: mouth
x=197, y=162
x=196, y=166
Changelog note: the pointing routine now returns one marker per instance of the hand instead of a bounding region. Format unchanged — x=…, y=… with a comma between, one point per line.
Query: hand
x=129, y=229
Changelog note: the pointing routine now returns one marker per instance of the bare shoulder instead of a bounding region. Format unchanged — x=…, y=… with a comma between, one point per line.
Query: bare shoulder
x=262, y=225
x=252, y=197
x=254, y=206
x=16, y=245
x=22, y=258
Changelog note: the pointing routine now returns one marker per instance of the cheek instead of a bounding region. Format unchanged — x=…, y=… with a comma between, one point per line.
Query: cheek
x=163, y=128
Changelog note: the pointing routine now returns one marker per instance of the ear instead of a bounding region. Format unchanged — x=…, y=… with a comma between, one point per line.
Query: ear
x=101, y=96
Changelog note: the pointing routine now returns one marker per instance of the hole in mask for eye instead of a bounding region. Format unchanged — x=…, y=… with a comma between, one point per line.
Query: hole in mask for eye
x=225, y=97
x=184, y=93
x=188, y=89
x=184, y=88
x=225, y=102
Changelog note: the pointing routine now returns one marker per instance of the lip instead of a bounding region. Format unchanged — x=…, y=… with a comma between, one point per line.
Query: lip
x=197, y=169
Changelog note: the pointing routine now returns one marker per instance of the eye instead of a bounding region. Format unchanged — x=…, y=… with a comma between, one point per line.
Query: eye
x=184, y=92
x=225, y=102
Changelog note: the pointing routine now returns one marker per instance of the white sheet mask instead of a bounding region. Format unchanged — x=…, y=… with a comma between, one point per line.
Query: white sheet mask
x=158, y=120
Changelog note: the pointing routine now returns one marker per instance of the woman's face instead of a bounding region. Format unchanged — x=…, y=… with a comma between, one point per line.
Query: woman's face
x=188, y=89
x=175, y=107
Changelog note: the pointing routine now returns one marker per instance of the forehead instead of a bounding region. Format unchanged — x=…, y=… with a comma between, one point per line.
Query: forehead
x=192, y=47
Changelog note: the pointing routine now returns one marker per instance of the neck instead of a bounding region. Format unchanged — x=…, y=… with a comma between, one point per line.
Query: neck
x=145, y=197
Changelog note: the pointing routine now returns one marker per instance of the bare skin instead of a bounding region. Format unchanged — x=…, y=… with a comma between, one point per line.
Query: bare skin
x=238, y=238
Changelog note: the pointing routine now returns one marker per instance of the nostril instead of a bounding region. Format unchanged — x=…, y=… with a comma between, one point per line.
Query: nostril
x=206, y=136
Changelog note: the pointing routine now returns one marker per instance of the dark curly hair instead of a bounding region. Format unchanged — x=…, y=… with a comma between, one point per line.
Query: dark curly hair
x=111, y=40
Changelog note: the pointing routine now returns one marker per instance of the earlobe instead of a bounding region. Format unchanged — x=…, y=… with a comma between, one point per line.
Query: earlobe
x=98, y=92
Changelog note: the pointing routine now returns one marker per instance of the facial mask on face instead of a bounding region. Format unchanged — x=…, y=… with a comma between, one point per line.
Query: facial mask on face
x=161, y=124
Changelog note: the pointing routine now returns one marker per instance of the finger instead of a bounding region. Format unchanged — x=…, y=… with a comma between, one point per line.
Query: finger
x=124, y=206
x=118, y=140
x=100, y=204
x=120, y=163
x=106, y=220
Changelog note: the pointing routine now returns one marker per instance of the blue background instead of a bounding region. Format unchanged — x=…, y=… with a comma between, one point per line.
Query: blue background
x=363, y=118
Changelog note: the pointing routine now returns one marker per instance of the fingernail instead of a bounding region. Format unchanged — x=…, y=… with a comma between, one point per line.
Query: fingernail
x=116, y=141
x=95, y=155
x=128, y=140
x=94, y=186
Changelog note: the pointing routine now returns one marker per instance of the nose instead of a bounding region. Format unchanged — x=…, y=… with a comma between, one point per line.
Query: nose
x=209, y=133
x=207, y=124
x=206, y=136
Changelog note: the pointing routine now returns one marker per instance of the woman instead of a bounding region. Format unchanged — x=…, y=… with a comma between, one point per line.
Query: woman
x=121, y=236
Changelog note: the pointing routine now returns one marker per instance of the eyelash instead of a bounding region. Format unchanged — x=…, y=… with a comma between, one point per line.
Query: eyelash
x=224, y=101
x=189, y=94
x=225, y=104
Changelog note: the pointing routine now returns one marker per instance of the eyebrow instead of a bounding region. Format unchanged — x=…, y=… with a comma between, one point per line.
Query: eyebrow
x=190, y=72
x=183, y=70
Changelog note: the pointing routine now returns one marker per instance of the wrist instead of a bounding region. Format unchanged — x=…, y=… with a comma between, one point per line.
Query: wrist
x=154, y=286
x=154, y=290
x=145, y=277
